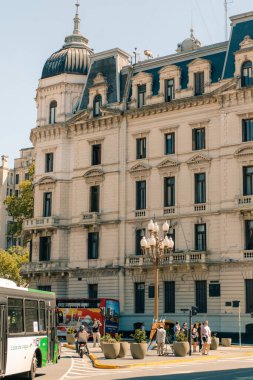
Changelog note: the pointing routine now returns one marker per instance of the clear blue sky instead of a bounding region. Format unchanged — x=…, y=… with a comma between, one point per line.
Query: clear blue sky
x=31, y=30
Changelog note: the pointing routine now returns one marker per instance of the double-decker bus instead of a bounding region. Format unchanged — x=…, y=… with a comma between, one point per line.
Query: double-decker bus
x=72, y=312
x=27, y=329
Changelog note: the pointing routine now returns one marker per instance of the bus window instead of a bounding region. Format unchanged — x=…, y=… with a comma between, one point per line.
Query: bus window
x=15, y=315
x=31, y=316
x=42, y=324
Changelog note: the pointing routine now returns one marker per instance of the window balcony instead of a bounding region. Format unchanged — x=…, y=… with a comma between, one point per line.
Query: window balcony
x=244, y=201
x=169, y=210
x=198, y=207
x=140, y=213
x=49, y=267
x=48, y=222
x=90, y=218
x=248, y=254
x=176, y=258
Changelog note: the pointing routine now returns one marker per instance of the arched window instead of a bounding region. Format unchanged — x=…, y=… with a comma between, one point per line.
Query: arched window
x=52, y=112
x=96, y=105
x=247, y=74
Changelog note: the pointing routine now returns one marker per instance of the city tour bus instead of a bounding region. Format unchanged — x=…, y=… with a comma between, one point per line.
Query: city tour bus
x=73, y=312
x=27, y=330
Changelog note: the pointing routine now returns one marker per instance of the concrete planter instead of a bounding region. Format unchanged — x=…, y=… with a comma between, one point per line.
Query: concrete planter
x=70, y=339
x=226, y=342
x=138, y=350
x=101, y=345
x=123, y=349
x=181, y=348
x=111, y=350
x=214, y=343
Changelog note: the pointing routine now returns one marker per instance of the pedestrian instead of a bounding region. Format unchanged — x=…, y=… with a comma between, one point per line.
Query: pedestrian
x=195, y=337
x=206, y=338
x=160, y=339
x=81, y=337
x=199, y=335
x=184, y=329
x=96, y=332
x=176, y=330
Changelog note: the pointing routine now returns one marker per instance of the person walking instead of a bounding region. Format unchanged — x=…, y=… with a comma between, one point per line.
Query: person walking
x=96, y=332
x=176, y=330
x=160, y=339
x=206, y=338
x=199, y=336
x=195, y=337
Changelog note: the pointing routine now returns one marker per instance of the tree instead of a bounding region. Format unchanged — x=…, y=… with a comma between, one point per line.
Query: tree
x=11, y=262
x=21, y=207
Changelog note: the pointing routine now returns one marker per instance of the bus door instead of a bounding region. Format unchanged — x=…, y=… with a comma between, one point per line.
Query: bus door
x=3, y=337
x=51, y=333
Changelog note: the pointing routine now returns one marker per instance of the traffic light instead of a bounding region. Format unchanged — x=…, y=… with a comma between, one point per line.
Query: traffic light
x=194, y=310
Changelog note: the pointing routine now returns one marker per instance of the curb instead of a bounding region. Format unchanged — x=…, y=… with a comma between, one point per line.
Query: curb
x=97, y=364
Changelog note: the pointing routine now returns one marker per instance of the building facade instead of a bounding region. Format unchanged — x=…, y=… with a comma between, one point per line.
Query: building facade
x=118, y=144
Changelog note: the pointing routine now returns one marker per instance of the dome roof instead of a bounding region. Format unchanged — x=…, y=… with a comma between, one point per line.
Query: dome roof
x=188, y=44
x=73, y=58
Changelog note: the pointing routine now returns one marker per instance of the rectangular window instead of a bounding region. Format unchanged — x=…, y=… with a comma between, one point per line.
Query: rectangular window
x=93, y=290
x=199, y=83
x=16, y=193
x=201, y=296
x=45, y=248
x=26, y=176
x=248, y=180
x=247, y=130
x=138, y=236
x=17, y=179
x=49, y=162
x=47, y=206
x=169, y=90
x=200, y=188
x=140, y=195
x=169, y=143
x=141, y=96
x=93, y=245
x=248, y=234
x=96, y=154
x=141, y=148
x=169, y=296
x=31, y=315
x=200, y=237
x=151, y=291
x=94, y=198
x=45, y=288
x=214, y=290
x=249, y=295
x=42, y=315
x=198, y=139
x=139, y=290
x=15, y=316
x=169, y=191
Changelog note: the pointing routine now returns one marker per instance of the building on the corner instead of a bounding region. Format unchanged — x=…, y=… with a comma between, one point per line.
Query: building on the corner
x=117, y=144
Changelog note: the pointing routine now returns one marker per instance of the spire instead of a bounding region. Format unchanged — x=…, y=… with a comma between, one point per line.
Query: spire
x=76, y=20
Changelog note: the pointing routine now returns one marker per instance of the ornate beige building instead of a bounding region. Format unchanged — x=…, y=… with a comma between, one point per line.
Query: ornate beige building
x=118, y=144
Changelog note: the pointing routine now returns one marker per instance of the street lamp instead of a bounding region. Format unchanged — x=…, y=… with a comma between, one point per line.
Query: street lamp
x=156, y=248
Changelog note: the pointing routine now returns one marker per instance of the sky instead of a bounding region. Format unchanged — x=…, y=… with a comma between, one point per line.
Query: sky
x=31, y=30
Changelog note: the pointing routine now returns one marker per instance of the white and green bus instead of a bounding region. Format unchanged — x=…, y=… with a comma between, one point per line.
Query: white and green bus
x=27, y=330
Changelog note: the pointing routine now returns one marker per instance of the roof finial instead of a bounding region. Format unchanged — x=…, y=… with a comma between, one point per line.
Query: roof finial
x=76, y=20
x=192, y=31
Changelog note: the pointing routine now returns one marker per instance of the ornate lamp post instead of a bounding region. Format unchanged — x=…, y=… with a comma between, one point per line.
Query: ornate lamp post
x=155, y=248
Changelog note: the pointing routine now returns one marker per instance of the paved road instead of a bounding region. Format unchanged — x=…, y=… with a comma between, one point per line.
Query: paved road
x=71, y=367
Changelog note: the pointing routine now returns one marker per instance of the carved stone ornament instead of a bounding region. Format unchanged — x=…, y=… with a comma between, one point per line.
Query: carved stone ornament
x=99, y=79
x=244, y=152
x=139, y=169
x=246, y=43
x=199, y=162
x=168, y=165
x=46, y=183
x=94, y=175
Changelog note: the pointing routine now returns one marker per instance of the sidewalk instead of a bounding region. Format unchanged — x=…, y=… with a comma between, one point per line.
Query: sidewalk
x=152, y=359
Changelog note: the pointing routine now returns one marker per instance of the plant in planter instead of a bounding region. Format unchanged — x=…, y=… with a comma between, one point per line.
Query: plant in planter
x=139, y=348
x=215, y=341
x=123, y=345
x=110, y=346
x=70, y=335
x=181, y=345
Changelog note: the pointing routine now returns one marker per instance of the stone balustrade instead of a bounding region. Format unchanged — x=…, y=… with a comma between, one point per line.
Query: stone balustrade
x=41, y=223
x=168, y=259
x=44, y=266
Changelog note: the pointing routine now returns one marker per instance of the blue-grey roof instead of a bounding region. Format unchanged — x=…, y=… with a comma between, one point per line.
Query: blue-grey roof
x=71, y=60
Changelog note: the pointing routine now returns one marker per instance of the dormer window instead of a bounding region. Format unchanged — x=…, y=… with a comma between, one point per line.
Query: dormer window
x=97, y=103
x=246, y=74
x=141, y=95
x=52, y=112
x=169, y=90
x=199, y=83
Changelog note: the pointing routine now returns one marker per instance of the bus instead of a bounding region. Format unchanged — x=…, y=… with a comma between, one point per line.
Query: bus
x=27, y=330
x=73, y=312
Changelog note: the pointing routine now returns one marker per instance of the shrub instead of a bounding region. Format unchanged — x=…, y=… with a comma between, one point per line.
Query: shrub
x=139, y=336
x=181, y=337
x=70, y=330
x=107, y=338
x=118, y=337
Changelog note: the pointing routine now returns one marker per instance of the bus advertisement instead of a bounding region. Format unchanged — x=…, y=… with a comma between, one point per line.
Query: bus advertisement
x=73, y=312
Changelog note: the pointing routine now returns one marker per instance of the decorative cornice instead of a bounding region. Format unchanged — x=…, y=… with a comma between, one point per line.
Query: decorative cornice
x=244, y=151
x=168, y=163
x=46, y=180
x=139, y=169
x=198, y=160
x=94, y=175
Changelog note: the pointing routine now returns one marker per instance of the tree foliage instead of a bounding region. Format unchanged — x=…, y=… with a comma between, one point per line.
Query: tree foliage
x=21, y=207
x=11, y=262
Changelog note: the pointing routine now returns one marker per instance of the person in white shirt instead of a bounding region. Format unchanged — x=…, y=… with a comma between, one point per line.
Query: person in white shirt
x=160, y=339
x=206, y=338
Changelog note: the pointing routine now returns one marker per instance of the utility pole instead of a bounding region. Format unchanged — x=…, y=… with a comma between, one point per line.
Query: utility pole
x=226, y=2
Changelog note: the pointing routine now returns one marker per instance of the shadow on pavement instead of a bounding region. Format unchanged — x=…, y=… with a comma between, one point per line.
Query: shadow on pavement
x=232, y=374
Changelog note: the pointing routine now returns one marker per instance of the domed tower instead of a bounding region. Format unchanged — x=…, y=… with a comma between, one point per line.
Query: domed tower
x=189, y=44
x=63, y=78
